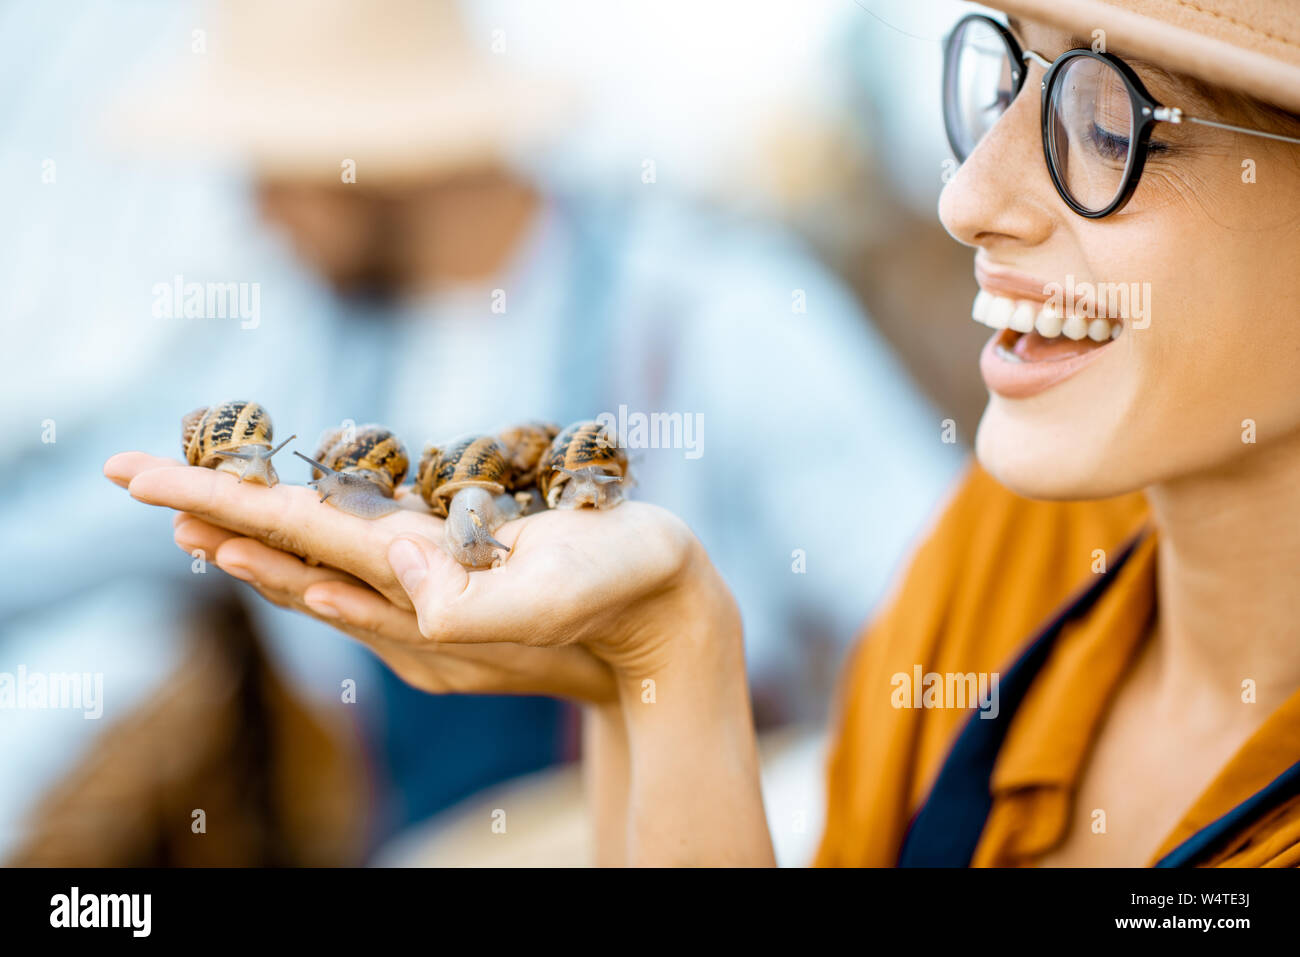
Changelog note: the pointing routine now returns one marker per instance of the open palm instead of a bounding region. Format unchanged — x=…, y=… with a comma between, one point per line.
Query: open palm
x=552, y=619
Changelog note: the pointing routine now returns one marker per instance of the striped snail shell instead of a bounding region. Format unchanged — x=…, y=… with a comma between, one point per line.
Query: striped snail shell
x=465, y=481
x=470, y=461
x=525, y=444
x=232, y=437
x=584, y=466
x=359, y=469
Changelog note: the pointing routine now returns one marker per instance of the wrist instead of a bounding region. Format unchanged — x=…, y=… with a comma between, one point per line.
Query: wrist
x=691, y=647
x=693, y=756
x=605, y=773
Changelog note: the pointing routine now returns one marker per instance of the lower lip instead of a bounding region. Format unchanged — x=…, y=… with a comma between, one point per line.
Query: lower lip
x=1020, y=380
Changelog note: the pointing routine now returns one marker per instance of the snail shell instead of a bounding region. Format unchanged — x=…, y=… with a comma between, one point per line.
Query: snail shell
x=466, y=481
x=232, y=437
x=525, y=444
x=584, y=466
x=371, y=451
x=473, y=461
x=359, y=470
x=424, y=480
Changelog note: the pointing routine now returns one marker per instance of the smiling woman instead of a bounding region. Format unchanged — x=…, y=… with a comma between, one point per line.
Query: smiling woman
x=1137, y=237
x=1108, y=597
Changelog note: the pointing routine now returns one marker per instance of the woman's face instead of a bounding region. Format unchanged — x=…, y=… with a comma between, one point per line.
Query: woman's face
x=1211, y=238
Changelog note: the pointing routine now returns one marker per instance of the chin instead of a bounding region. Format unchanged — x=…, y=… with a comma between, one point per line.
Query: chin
x=1048, y=459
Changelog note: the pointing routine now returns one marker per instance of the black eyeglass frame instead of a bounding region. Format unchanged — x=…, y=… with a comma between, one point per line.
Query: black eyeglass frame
x=1145, y=110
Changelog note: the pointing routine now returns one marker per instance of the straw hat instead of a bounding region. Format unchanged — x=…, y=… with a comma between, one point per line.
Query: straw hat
x=296, y=87
x=1252, y=46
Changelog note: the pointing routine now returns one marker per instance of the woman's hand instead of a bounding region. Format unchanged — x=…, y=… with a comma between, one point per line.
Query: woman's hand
x=579, y=596
x=393, y=633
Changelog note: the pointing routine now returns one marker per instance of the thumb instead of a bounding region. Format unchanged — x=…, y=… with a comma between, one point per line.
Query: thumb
x=430, y=577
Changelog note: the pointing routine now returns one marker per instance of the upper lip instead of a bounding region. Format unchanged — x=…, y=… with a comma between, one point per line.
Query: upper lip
x=1001, y=281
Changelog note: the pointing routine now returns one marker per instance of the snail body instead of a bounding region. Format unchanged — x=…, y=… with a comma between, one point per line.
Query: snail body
x=232, y=437
x=584, y=466
x=466, y=482
x=358, y=471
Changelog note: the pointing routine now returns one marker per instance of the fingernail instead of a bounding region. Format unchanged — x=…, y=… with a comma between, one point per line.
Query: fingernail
x=408, y=564
x=237, y=571
x=320, y=607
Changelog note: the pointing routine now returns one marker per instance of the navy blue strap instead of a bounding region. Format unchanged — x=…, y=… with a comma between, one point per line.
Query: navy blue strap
x=1284, y=787
x=947, y=828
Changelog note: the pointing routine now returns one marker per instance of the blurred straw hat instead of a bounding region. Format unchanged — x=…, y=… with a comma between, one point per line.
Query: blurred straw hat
x=1252, y=46
x=296, y=87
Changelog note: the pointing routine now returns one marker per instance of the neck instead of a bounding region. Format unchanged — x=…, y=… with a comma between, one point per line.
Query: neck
x=1229, y=552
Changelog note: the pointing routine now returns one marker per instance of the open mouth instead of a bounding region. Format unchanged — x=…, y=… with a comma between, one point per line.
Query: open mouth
x=1036, y=345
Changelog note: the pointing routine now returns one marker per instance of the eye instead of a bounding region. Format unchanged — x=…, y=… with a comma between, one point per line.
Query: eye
x=1112, y=146
x=1109, y=145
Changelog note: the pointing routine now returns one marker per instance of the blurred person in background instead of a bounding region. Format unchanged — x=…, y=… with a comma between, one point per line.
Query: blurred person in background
x=445, y=290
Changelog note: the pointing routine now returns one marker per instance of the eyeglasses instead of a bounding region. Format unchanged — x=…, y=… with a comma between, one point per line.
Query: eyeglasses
x=1096, y=115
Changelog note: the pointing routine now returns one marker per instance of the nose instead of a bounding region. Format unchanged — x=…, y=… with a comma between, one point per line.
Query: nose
x=1002, y=196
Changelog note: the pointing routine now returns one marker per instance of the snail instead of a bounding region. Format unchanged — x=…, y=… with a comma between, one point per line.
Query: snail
x=465, y=482
x=232, y=437
x=358, y=471
x=525, y=444
x=584, y=466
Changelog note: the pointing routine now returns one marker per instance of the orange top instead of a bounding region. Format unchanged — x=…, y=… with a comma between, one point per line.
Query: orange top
x=994, y=571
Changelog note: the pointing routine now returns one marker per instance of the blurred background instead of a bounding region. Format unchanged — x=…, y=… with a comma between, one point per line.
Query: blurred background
x=445, y=218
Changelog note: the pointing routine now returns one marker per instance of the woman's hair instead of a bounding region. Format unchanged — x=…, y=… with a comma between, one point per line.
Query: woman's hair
x=1246, y=110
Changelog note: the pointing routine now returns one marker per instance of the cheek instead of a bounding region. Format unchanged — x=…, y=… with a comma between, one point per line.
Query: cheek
x=1237, y=369
x=1223, y=355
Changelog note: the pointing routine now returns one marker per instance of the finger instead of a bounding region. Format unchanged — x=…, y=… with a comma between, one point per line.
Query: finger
x=363, y=610
x=193, y=535
x=376, y=621
x=124, y=466
x=436, y=585
x=289, y=518
x=251, y=561
x=553, y=593
x=365, y=615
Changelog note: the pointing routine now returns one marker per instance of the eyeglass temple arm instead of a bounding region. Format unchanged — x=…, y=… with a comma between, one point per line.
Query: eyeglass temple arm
x=1031, y=55
x=1172, y=114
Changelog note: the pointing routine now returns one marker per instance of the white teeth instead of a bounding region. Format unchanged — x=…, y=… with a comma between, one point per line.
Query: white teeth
x=1022, y=319
x=1075, y=327
x=999, y=316
x=1048, y=322
x=1022, y=315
